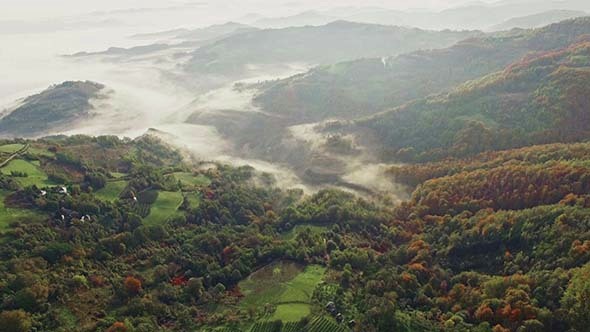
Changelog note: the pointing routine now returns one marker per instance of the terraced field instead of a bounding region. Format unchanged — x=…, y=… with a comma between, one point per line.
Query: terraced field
x=287, y=285
x=317, y=324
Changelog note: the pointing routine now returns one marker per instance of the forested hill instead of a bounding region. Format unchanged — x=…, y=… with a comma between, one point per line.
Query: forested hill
x=366, y=86
x=55, y=108
x=334, y=42
x=538, y=20
x=540, y=99
x=102, y=234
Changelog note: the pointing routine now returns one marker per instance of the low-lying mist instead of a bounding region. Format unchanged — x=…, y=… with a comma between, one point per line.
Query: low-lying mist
x=210, y=117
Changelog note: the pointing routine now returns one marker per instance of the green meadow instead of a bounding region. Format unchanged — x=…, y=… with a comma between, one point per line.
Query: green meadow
x=11, y=148
x=111, y=191
x=165, y=206
x=35, y=175
x=287, y=285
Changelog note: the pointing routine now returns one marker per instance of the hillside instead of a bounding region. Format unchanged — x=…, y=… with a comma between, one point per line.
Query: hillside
x=362, y=87
x=143, y=240
x=53, y=109
x=209, y=33
x=171, y=41
x=462, y=16
x=538, y=20
x=540, y=99
x=334, y=42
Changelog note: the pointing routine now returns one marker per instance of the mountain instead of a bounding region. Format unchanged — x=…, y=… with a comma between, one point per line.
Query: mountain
x=55, y=108
x=538, y=20
x=362, y=87
x=501, y=15
x=337, y=41
x=540, y=99
x=175, y=41
x=298, y=20
x=124, y=52
x=471, y=16
x=201, y=34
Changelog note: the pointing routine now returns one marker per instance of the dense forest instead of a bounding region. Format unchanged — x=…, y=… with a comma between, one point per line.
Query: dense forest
x=103, y=234
x=539, y=99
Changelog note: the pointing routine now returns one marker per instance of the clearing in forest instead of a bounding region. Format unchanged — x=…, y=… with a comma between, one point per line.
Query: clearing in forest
x=286, y=285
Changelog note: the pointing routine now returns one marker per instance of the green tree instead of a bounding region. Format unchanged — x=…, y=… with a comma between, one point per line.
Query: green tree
x=576, y=300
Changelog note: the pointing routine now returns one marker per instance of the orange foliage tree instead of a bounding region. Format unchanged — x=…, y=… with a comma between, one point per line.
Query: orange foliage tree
x=132, y=285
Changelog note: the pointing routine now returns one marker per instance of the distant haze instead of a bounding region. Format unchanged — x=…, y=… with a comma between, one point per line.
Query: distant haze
x=34, y=9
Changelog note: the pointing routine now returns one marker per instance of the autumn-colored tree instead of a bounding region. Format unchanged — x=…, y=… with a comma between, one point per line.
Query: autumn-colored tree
x=484, y=313
x=15, y=321
x=500, y=328
x=117, y=327
x=132, y=285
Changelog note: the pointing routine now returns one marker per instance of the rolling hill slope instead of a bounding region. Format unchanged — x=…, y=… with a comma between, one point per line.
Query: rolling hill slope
x=334, y=42
x=540, y=99
x=366, y=86
x=53, y=108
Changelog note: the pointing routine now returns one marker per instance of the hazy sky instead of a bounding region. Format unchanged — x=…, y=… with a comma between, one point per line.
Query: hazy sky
x=35, y=9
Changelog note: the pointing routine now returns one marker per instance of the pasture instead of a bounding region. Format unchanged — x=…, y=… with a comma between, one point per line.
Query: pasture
x=287, y=285
x=165, y=206
x=11, y=148
x=34, y=174
x=190, y=180
x=111, y=191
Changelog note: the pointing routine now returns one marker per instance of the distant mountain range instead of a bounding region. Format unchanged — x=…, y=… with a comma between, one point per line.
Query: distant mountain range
x=200, y=34
x=176, y=40
x=336, y=41
x=538, y=20
x=366, y=86
x=469, y=16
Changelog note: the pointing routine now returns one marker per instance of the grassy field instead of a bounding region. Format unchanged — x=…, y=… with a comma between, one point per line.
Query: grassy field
x=9, y=215
x=292, y=312
x=287, y=285
x=11, y=148
x=40, y=152
x=194, y=199
x=190, y=180
x=36, y=176
x=290, y=235
x=267, y=284
x=118, y=175
x=165, y=207
x=111, y=191
x=300, y=289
